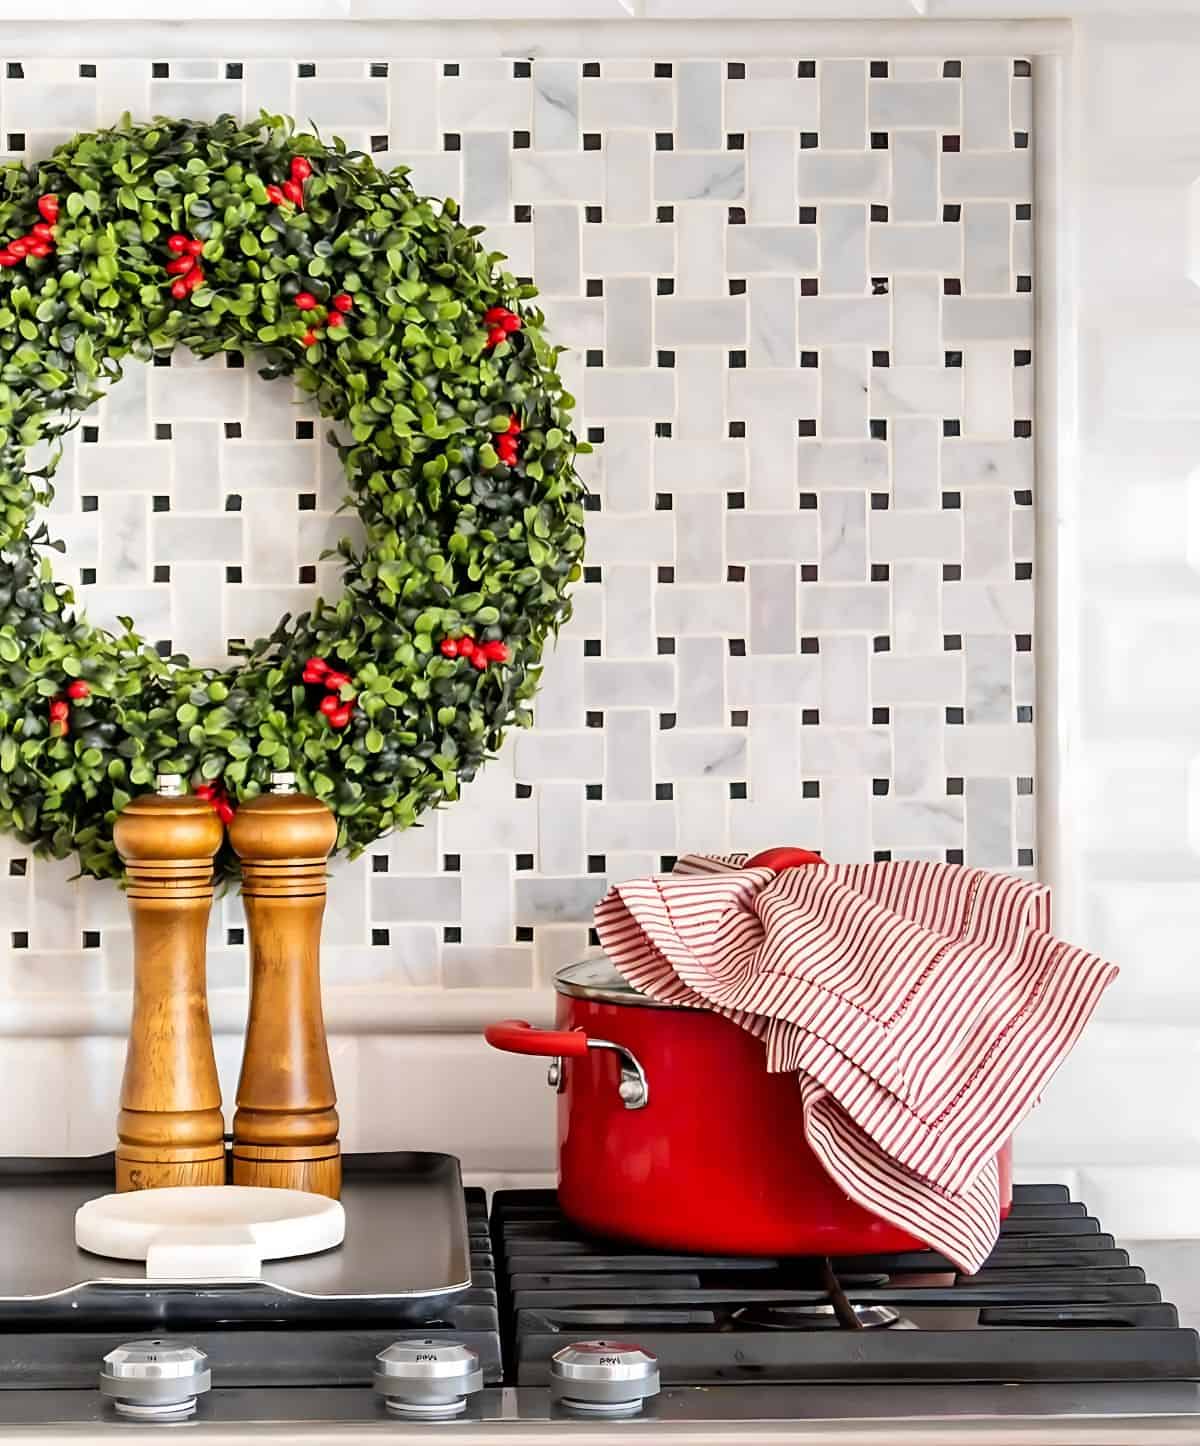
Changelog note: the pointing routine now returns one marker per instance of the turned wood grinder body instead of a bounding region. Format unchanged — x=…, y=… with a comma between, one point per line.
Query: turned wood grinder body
x=285, y=1129
x=170, y=1130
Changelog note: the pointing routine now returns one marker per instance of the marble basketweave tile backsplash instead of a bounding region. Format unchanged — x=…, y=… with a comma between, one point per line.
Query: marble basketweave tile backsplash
x=797, y=297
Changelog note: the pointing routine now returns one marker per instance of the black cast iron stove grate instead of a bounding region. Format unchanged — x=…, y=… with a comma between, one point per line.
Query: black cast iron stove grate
x=1056, y=1301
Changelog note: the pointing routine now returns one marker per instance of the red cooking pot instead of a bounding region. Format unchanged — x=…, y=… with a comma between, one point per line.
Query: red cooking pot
x=671, y=1132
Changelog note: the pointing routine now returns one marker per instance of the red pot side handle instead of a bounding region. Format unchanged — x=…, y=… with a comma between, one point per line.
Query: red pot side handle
x=516, y=1036
x=780, y=859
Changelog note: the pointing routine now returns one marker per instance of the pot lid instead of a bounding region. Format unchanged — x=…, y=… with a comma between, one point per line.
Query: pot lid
x=596, y=978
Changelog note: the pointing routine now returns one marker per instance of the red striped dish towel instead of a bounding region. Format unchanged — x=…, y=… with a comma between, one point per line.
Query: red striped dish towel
x=923, y=1007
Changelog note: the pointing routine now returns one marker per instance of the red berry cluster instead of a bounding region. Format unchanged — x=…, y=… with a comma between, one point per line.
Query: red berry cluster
x=336, y=709
x=291, y=190
x=38, y=241
x=479, y=654
x=60, y=708
x=185, y=267
x=499, y=322
x=217, y=799
x=334, y=315
x=506, y=443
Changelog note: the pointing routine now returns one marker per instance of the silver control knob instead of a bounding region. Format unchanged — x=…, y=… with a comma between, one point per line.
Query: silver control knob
x=156, y=1380
x=427, y=1378
x=603, y=1377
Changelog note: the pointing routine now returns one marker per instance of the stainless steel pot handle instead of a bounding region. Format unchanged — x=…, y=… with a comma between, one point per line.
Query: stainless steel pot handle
x=634, y=1088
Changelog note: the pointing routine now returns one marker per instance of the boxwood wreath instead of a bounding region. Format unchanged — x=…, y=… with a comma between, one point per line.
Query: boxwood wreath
x=453, y=430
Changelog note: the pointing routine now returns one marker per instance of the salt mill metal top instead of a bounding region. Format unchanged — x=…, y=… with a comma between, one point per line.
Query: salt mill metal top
x=170, y=1130
x=285, y=1128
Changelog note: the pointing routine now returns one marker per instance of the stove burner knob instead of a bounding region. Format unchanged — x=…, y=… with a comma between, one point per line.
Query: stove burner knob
x=155, y=1380
x=603, y=1377
x=427, y=1378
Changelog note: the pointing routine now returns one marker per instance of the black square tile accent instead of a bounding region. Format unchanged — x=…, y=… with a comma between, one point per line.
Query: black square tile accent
x=521, y=141
x=87, y=71
x=595, y=357
x=164, y=649
x=737, y=430
x=881, y=359
x=738, y=791
x=307, y=574
x=879, y=213
x=809, y=140
x=810, y=788
x=233, y=502
x=89, y=503
x=810, y=717
x=1024, y=283
x=954, y=359
x=594, y=718
x=451, y=141
x=666, y=358
x=596, y=863
x=162, y=431
x=593, y=792
x=954, y=856
x=882, y=856
x=524, y=862
x=522, y=70
x=1022, y=67
x=591, y=647
x=951, y=286
x=735, y=70
x=881, y=572
x=881, y=715
x=20, y=939
x=662, y=430
x=879, y=501
x=595, y=435
x=808, y=502
x=1023, y=429
x=736, y=215
x=160, y=70
x=235, y=936
x=1021, y=140
x=806, y=70
x=1024, y=642
x=233, y=70
x=878, y=429
x=522, y=215
x=666, y=721
x=952, y=572
x=233, y=574
x=663, y=70
x=739, y=718
x=450, y=68
x=952, y=69
x=91, y=938
x=593, y=215
x=451, y=934
x=951, y=144
x=735, y=572
x=1024, y=786
x=737, y=647
x=952, y=642
x=162, y=572
x=879, y=140
x=809, y=286
x=809, y=359
x=666, y=863
x=379, y=70
x=954, y=715
x=523, y=790
x=452, y=863
x=1024, y=211
x=954, y=787
x=735, y=141
x=879, y=69
x=91, y=434
x=233, y=430
x=664, y=792
x=735, y=501
x=1024, y=858
x=87, y=576
x=809, y=572
x=663, y=502
x=307, y=501
x=665, y=647
x=951, y=427
x=1022, y=357
x=17, y=868
x=665, y=213
x=664, y=141
x=951, y=501
x=591, y=70
x=306, y=70
x=162, y=359
x=594, y=286
x=737, y=286
x=810, y=645
x=666, y=574
x=1024, y=713
x=665, y=286
x=159, y=503
x=879, y=787
x=14, y=70
x=952, y=212
x=523, y=934
x=379, y=863
x=16, y=140
x=807, y=216
x=1022, y=571
x=234, y=647
x=806, y=427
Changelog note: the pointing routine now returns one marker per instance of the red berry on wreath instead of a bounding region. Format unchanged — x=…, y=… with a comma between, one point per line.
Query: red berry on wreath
x=318, y=665
x=466, y=647
x=294, y=193
x=334, y=680
x=195, y=247
x=179, y=289
x=514, y=427
x=304, y=300
x=496, y=651
x=275, y=195
x=180, y=266
x=43, y=231
x=60, y=710
x=194, y=278
x=40, y=248
x=79, y=689
x=301, y=170
x=329, y=704
x=310, y=338
x=449, y=647
x=494, y=315
x=478, y=660
x=335, y=319
x=511, y=322
x=48, y=208
x=205, y=791
x=225, y=811
x=8, y=259
x=18, y=248
x=343, y=301
x=340, y=718
x=496, y=336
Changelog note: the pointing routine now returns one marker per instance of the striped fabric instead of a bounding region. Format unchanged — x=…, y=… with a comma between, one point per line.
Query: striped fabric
x=923, y=1007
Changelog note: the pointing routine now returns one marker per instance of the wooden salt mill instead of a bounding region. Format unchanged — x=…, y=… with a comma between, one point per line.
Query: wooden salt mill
x=285, y=1129
x=170, y=1130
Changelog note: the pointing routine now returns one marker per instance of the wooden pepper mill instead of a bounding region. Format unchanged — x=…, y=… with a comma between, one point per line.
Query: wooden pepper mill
x=170, y=1130
x=285, y=1129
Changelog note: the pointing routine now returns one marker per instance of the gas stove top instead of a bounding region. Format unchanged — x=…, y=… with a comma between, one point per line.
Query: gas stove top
x=1058, y=1330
